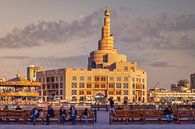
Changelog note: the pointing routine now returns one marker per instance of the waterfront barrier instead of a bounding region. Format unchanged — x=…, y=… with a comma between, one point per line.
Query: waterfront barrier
x=24, y=116
x=144, y=116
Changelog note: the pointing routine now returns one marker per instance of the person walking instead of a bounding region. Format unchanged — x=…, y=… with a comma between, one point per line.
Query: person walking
x=112, y=105
x=62, y=112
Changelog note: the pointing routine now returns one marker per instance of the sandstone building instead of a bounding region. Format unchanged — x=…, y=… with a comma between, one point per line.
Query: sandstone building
x=108, y=75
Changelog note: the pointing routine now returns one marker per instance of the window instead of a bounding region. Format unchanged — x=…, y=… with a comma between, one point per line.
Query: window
x=52, y=79
x=103, y=86
x=88, y=92
x=118, y=85
x=61, y=85
x=74, y=85
x=111, y=93
x=61, y=78
x=81, y=92
x=53, y=86
x=111, y=78
x=143, y=86
x=118, y=98
x=61, y=92
x=88, y=85
x=74, y=92
x=133, y=92
x=96, y=85
x=143, y=93
x=125, y=68
x=81, y=78
x=74, y=98
x=111, y=85
x=48, y=79
x=56, y=85
x=143, y=80
x=89, y=78
x=133, y=86
x=43, y=86
x=126, y=79
x=56, y=79
x=125, y=92
x=97, y=78
x=118, y=78
x=48, y=86
x=81, y=85
x=74, y=78
x=133, y=79
x=103, y=79
x=125, y=85
x=81, y=99
x=118, y=92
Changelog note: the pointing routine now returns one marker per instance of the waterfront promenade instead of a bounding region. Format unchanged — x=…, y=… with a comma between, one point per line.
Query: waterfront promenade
x=101, y=126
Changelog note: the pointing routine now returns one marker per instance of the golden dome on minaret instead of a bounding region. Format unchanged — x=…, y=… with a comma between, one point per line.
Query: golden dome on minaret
x=107, y=12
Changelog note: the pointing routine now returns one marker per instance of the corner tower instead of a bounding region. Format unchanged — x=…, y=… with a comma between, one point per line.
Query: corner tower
x=106, y=54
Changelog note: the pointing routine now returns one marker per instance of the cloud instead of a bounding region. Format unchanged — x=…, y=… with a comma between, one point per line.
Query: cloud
x=166, y=32
x=172, y=33
x=47, y=62
x=164, y=65
x=51, y=32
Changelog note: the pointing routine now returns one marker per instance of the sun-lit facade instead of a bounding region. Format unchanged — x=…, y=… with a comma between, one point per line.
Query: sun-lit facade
x=108, y=75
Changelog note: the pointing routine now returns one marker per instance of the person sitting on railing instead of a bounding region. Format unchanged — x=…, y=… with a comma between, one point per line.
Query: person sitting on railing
x=131, y=107
x=62, y=112
x=50, y=114
x=168, y=114
x=18, y=108
x=86, y=115
x=34, y=115
x=6, y=107
x=73, y=114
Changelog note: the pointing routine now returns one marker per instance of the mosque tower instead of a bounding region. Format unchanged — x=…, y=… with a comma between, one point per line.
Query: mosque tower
x=106, y=54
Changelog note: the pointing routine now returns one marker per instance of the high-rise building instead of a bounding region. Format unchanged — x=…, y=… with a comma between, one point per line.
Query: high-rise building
x=31, y=72
x=192, y=80
x=109, y=75
x=182, y=86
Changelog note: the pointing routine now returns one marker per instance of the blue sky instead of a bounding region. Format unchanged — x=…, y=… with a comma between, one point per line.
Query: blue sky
x=158, y=34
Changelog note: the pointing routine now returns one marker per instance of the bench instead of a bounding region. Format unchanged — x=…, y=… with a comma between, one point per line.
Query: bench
x=185, y=115
x=13, y=115
x=153, y=115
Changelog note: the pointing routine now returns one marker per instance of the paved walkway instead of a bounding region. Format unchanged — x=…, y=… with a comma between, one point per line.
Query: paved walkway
x=102, y=117
x=100, y=126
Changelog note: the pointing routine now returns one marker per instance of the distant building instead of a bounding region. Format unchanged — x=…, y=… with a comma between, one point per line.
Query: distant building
x=192, y=80
x=181, y=86
x=3, y=79
x=109, y=75
x=31, y=72
x=161, y=95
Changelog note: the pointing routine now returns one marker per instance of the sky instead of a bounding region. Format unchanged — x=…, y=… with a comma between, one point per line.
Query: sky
x=158, y=34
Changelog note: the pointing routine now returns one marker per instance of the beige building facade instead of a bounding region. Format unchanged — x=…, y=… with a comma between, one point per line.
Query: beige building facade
x=32, y=71
x=109, y=75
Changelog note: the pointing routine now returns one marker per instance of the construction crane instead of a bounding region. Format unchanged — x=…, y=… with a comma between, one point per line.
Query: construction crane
x=156, y=85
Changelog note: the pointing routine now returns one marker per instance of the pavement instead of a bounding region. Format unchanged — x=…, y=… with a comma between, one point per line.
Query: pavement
x=101, y=126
